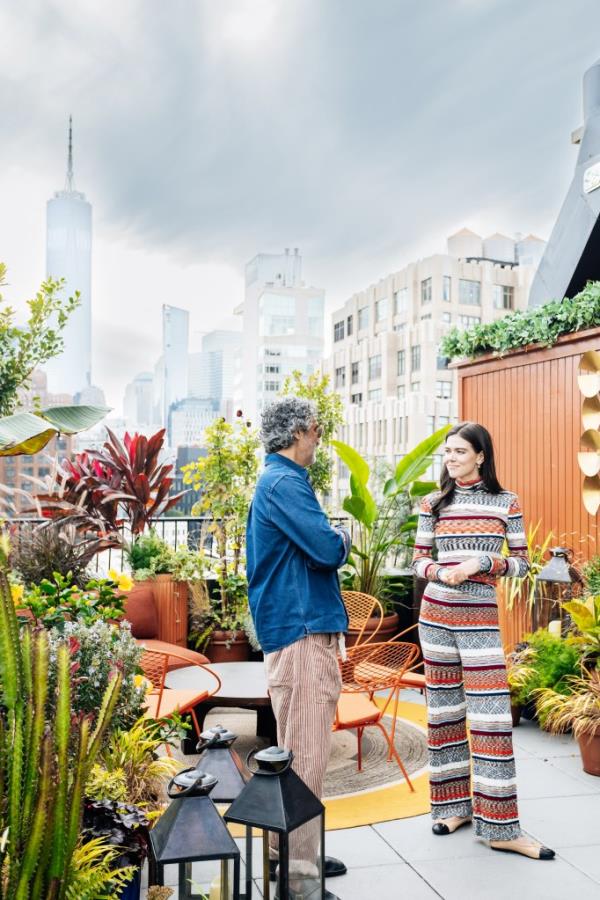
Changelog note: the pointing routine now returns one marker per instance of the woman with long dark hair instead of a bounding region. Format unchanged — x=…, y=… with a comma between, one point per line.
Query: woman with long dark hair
x=458, y=549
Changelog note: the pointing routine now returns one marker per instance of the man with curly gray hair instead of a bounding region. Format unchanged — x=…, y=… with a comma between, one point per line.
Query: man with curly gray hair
x=293, y=555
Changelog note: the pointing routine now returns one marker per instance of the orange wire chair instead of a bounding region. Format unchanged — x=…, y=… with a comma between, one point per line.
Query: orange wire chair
x=162, y=701
x=370, y=668
x=360, y=608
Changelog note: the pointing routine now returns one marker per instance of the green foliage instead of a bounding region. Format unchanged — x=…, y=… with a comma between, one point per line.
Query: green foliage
x=545, y=661
x=382, y=528
x=586, y=618
x=330, y=415
x=23, y=348
x=40, y=551
x=45, y=756
x=539, y=324
x=591, y=575
x=528, y=588
x=225, y=479
x=94, y=875
x=130, y=766
x=96, y=652
x=54, y=602
x=148, y=555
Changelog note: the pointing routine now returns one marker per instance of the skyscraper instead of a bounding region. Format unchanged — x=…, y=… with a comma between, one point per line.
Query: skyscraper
x=282, y=329
x=175, y=334
x=69, y=256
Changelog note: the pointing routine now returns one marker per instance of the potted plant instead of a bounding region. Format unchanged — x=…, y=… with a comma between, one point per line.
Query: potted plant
x=382, y=528
x=579, y=712
x=542, y=661
x=124, y=827
x=225, y=478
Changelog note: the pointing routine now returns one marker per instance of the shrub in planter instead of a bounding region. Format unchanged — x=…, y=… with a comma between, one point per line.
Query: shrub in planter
x=541, y=661
x=53, y=602
x=124, y=828
x=578, y=711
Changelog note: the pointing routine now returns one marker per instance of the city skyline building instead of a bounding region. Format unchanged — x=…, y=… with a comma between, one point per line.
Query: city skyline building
x=69, y=256
x=175, y=342
x=212, y=369
x=385, y=362
x=282, y=330
x=138, y=401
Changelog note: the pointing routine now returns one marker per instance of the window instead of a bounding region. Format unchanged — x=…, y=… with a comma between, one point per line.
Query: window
x=349, y=325
x=355, y=372
x=375, y=394
x=443, y=420
x=277, y=314
x=381, y=310
x=415, y=358
x=446, y=318
x=430, y=424
x=469, y=321
x=503, y=296
x=272, y=352
x=340, y=377
x=363, y=318
x=401, y=362
x=271, y=386
x=400, y=301
x=374, y=367
x=425, y=317
x=356, y=398
x=443, y=390
x=436, y=466
x=338, y=331
x=442, y=362
x=315, y=316
x=272, y=370
x=426, y=292
x=400, y=430
x=469, y=292
x=401, y=392
x=446, y=289
x=415, y=386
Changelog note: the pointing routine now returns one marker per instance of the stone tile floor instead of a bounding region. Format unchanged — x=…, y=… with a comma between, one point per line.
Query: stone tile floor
x=559, y=805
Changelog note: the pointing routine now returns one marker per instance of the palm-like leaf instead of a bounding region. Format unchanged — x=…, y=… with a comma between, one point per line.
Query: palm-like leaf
x=28, y=433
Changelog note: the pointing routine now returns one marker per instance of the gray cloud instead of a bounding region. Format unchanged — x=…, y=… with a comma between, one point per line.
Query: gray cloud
x=354, y=130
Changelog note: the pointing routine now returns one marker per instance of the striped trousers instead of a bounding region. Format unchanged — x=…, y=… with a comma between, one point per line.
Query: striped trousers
x=304, y=682
x=465, y=675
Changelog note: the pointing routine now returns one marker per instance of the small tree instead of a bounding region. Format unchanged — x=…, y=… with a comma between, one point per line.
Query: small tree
x=24, y=348
x=225, y=478
x=330, y=415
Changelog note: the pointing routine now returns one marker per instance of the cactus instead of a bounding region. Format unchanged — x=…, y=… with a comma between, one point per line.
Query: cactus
x=45, y=759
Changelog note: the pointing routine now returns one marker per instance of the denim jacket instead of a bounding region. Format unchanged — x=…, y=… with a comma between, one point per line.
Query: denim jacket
x=293, y=555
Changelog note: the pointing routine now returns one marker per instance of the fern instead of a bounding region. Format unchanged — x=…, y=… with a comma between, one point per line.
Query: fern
x=92, y=875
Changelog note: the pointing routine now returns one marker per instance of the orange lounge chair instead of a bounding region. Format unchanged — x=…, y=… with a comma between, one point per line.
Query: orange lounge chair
x=369, y=669
x=360, y=608
x=162, y=701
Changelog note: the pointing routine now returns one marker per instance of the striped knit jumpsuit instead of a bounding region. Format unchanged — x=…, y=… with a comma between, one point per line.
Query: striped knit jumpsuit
x=465, y=670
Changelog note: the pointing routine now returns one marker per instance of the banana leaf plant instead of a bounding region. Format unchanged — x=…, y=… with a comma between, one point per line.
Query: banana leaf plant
x=381, y=528
x=25, y=433
x=121, y=485
x=45, y=758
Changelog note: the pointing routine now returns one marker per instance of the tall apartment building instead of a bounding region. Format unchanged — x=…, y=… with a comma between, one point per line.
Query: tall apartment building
x=212, y=370
x=283, y=329
x=385, y=361
x=138, y=405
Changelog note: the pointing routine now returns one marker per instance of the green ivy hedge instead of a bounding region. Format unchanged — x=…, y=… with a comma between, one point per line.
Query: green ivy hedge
x=540, y=324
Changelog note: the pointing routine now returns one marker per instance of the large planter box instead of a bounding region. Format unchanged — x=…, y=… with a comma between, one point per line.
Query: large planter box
x=171, y=598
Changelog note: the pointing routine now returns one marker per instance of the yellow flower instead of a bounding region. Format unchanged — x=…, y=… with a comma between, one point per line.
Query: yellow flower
x=17, y=591
x=143, y=683
x=122, y=580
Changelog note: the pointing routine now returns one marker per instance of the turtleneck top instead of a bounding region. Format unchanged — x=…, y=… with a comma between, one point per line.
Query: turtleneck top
x=476, y=523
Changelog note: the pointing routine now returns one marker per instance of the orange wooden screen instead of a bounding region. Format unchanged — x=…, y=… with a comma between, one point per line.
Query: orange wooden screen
x=530, y=402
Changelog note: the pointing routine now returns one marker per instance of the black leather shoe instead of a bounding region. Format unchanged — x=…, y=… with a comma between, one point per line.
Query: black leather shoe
x=294, y=895
x=333, y=868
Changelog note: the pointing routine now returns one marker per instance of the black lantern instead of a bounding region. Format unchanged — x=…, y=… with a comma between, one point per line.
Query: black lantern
x=277, y=800
x=218, y=757
x=191, y=830
x=557, y=576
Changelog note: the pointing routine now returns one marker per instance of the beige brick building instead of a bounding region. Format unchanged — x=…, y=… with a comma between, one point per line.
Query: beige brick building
x=385, y=361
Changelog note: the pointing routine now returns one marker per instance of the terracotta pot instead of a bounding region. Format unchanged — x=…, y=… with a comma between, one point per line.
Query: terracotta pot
x=389, y=628
x=515, y=710
x=228, y=646
x=589, y=747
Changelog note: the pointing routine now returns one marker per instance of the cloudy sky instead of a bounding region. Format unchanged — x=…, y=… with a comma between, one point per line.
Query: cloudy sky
x=361, y=131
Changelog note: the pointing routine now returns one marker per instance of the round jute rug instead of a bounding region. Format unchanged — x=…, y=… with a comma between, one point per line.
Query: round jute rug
x=379, y=792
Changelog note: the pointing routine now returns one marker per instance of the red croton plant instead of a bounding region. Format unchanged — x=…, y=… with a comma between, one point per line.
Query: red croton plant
x=123, y=485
